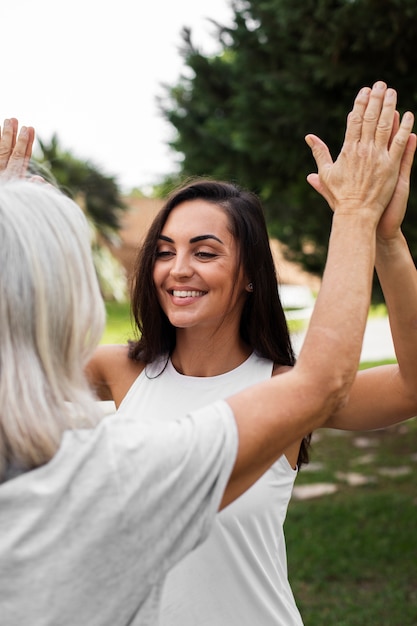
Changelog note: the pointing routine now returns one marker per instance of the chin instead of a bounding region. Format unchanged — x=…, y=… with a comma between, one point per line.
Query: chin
x=178, y=321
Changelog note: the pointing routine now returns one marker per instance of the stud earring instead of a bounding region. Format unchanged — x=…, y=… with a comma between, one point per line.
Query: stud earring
x=250, y=286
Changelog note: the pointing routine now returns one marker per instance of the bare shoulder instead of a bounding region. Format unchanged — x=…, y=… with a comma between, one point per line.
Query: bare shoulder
x=109, y=357
x=111, y=352
x=112, y=372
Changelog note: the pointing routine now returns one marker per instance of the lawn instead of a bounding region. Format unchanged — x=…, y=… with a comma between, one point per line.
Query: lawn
x=352, y=554
x=118, y=327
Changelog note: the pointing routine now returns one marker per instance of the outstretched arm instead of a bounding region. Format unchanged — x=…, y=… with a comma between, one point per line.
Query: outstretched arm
x=384, y=395
x=359, y=186
x=15, y=149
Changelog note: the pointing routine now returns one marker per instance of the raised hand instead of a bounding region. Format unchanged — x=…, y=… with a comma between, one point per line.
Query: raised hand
x=389, y=225
x=15, y=149
x=376, y=149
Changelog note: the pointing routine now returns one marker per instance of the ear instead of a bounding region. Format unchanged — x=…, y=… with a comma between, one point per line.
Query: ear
x=249, y=287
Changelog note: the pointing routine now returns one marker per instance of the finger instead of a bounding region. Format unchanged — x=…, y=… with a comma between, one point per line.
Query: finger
x=408, y=157
x=7, y=141
x=315, y=182
x=31, y=139
x=14, y=124
x=320, y=151
x=399, y=143
x=19, y=159
x=395, y=127
x=30, y=142
x=394, y=214
x=355, y=117
x=9, y=128
x=373, y=112
x=384, y=127
x=402, y=188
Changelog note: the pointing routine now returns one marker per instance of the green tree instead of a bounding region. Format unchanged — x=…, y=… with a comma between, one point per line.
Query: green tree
x=287, y=68
x=96, y=192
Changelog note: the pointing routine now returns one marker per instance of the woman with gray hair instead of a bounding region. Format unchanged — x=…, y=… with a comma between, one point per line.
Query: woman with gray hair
x=92, y=519
x=51, y=321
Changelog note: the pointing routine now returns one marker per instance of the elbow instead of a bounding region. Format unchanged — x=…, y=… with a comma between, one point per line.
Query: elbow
x=338, y=399
x=330, y=373
x=407, y=394
x=333, y=395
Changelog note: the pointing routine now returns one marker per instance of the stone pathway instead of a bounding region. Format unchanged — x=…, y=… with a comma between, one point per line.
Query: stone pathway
x=352, y=478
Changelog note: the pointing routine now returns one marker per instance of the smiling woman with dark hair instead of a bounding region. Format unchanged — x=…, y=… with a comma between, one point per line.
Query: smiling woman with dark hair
x=210, y=323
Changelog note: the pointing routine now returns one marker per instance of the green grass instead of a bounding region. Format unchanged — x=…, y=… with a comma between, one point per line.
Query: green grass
x=378, y=310
x=352, y=555
x=118, y=327
x=365, y=364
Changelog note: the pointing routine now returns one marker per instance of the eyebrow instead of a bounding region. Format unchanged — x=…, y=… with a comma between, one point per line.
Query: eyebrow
x=193, y=239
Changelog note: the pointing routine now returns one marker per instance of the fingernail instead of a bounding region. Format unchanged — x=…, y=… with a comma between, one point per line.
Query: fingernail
x=6, y=123
x=379, y=85
x=23, y=131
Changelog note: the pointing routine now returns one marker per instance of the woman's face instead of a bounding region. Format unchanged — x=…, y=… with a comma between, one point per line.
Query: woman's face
x=195, y=269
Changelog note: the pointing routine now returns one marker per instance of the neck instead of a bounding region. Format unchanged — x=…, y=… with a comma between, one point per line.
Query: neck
x=198, y=355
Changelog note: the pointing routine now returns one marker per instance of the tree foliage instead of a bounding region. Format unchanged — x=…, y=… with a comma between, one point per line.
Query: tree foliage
x=98, y=195
x=287, y=68
x=96, y=192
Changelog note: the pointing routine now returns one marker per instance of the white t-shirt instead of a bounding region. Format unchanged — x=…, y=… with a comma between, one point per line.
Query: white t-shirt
x=87, y=539
x=239, y=576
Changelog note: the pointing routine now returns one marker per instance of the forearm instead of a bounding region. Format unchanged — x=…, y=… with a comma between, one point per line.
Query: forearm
x=384, y=395
x=334, y=340
x=398, y=278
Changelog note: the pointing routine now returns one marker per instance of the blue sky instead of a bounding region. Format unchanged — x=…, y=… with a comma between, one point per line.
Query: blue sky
x=90, y=71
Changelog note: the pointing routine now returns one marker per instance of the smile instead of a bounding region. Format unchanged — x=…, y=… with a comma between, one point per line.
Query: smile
x=188, y=294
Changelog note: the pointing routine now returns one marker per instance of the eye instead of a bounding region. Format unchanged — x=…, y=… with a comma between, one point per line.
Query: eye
x=164, y=254
x=205, y=255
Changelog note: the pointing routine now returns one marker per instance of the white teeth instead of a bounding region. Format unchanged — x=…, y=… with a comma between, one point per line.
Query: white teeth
x=187, y=294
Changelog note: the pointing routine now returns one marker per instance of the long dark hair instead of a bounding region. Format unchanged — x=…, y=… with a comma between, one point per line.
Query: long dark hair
x=263, y=325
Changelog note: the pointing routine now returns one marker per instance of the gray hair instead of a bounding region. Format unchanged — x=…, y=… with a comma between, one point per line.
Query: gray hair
x=51, y=320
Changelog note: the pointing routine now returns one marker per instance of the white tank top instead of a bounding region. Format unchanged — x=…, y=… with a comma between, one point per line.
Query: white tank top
x=238, y=577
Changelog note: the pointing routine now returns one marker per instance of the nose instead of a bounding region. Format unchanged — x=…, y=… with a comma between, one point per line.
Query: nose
x=181, y=266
